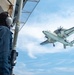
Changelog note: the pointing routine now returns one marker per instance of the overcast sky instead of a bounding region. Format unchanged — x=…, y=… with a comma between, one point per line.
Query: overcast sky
x=35, y=59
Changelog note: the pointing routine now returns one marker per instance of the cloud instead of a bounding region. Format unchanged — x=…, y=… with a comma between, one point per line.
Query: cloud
x=31, y=39
x=64, y=69
x=21, y=69
x=31, y=34
x=52, y=71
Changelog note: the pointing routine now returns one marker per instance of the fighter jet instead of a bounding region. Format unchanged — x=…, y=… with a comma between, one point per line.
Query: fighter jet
x=59, y=35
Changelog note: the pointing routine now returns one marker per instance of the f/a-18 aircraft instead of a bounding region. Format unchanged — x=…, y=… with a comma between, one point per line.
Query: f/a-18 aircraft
x=59, y=35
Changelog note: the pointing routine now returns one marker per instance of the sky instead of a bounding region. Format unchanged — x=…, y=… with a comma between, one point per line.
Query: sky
x=35, y=59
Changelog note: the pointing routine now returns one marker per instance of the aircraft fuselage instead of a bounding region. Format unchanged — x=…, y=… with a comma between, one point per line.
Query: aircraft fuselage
x=53, y=36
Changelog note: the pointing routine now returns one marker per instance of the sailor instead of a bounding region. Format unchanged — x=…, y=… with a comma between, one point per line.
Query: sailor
x=5, y=43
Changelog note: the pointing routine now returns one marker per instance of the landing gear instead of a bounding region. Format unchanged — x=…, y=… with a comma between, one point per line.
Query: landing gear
x=53, y=45
x=64, y=46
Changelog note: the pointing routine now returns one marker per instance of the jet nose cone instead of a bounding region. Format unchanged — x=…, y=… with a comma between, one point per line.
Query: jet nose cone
x=43, y=32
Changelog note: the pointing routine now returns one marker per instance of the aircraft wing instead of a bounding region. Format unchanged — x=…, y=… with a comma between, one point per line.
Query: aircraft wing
x=45, y=42
x=69, y=31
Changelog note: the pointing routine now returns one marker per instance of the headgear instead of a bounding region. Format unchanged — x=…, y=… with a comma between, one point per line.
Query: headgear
x=5, y=19
x=8, y=21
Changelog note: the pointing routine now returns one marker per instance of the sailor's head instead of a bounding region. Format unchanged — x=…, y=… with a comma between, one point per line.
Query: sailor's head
x=5, y=19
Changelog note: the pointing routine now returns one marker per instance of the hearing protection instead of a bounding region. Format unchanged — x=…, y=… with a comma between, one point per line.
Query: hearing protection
x=5, y=19
x=8, y=20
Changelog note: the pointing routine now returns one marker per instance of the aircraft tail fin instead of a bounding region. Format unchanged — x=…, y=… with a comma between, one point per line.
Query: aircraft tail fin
x=45, y=42
x=72, y=42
